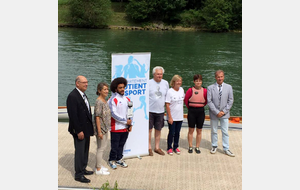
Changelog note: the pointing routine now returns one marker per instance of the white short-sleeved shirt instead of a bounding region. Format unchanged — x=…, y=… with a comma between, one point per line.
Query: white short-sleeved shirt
x=157, y=95
x=175, y=98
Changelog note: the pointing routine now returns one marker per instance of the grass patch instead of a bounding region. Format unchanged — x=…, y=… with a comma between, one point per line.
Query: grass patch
x=64, y=14
x=118, y=17
x=63, y=2
x=118, y=7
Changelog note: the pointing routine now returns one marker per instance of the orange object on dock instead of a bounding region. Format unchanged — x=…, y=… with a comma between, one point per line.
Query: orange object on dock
x=235, y=120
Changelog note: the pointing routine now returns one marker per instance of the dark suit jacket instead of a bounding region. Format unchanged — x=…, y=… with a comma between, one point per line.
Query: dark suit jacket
x=80, y=119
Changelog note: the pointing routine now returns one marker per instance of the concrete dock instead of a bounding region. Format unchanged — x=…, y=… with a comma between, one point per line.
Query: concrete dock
x=185, y=171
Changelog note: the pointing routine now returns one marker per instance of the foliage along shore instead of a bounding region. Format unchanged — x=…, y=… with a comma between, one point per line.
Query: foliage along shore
x=182, y=15
x=155, y=27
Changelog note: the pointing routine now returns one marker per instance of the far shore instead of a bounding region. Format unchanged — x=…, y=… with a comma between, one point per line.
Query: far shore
x=155, y=27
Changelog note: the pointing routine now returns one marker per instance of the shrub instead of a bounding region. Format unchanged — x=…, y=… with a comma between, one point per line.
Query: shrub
x=222, y=15
x=190, y=17
x=216, y=14
x=140, y=10
x=162, y=10
x=236, y=17
x=90, y=13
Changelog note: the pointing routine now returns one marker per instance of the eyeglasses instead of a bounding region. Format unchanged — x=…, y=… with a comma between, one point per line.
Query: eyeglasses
x=83, y=82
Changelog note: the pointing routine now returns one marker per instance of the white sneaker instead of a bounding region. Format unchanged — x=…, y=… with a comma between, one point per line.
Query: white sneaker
x=104, y=168
x=122, y=163
x=213, y=150
x=101, y=172
x=227, y=152
x=112, y=164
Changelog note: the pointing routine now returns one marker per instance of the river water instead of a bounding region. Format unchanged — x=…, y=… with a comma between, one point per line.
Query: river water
x=88, y=52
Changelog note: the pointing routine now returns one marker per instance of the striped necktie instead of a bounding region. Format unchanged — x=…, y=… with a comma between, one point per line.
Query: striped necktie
x=86, y=101
x=220, y=91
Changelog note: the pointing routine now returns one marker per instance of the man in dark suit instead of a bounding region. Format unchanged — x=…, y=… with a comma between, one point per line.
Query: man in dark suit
x=81, y=127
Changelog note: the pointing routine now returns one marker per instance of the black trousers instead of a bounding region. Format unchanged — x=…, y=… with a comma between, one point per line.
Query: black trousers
x=117, y=141
x=196, y=116
x=82, y=148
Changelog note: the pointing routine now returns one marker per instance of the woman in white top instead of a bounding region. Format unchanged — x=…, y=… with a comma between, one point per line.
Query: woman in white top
x=174, y=106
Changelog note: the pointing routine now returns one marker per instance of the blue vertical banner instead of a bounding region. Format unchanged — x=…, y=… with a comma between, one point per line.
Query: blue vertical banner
x=135, y=68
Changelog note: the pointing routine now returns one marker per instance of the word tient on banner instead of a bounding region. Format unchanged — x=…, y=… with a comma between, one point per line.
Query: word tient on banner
x=136, y=87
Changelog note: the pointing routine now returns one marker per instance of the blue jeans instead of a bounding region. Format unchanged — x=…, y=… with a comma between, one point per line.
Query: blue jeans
x=174, y=134
x=214, y=133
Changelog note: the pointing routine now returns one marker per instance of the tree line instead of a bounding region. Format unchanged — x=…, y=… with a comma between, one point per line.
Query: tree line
x=212, y=15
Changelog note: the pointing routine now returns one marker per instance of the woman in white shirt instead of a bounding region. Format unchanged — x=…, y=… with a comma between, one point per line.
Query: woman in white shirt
x=174, y=106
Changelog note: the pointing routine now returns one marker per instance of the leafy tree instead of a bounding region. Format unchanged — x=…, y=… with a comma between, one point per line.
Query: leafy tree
x=235, y=21
x=190, y=17
x=164, y=10
x=119, y=1
x=194, y=4
x=216, y=15
x=171, y=9
x=222, y=15
x=90, y=13
x=140, y=10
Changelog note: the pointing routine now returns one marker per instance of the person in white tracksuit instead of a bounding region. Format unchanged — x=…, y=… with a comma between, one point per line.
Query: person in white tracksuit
x=120, y=124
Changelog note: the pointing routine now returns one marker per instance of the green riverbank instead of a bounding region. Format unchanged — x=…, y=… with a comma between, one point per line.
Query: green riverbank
x=120, y=21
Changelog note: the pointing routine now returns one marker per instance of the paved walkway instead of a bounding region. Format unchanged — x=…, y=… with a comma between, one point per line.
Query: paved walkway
x=185, y=171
